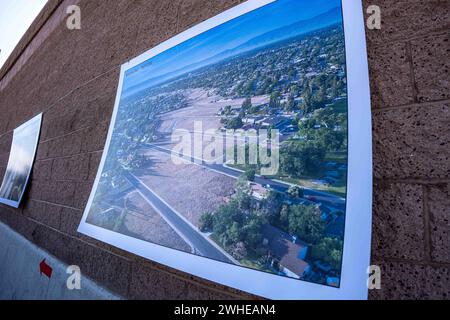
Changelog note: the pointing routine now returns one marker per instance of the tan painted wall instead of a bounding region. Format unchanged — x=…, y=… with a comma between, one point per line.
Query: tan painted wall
x=72, y=77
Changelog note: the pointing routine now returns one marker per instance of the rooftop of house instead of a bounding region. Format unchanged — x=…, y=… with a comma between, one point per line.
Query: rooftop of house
x=287, y=252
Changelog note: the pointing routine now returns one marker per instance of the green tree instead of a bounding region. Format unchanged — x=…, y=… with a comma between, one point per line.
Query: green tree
x=253, y=231
x=250, y=174
x=307, y=99
x=243, y=193
x=296, y=120
x=254, y=109
x=295, y=192
x=235, y=123
x=305, y=221
x=234, y=232
x=298, y=158
x=284, y=217
x=247, y=105
x=274, y=102
x=326, y=128
x=328, y=250
x=320, y=96
x=224, y=217
x=227, y=110
x=239, y=251
x=249, y=87
x=290, y=104
x=206, y=222
x=291, y=73
x=295, y=90
x=269, y=132
x=271, y=206
x=334, y=88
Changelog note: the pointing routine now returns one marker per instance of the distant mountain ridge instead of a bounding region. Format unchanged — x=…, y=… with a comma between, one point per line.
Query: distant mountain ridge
x=298, y=28
x=321, y=21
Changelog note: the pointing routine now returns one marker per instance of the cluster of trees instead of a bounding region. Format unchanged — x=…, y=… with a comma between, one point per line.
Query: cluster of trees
x=305, y=222
x=290, y=105
x=236, y=225
x=328, y=250
x=299, y=158
x=274, y=103
x=278, y=67
x=250, y=173
x=247, y=106
x=295, y=192
x=232, y=122
x=320, y=90
x=324, y=131
x=326, y=128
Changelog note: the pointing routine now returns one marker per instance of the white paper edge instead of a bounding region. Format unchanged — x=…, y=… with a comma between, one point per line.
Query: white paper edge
x=16, y=204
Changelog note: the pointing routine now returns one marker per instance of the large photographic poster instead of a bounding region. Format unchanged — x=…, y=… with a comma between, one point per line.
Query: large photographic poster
x=229, y=154
x=20, y=163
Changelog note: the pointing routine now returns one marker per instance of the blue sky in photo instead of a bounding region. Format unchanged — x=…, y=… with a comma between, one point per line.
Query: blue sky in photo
x=230, y=35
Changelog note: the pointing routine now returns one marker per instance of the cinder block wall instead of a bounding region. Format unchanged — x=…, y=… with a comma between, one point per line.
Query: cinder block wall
x=72, y=77
x=409, y=68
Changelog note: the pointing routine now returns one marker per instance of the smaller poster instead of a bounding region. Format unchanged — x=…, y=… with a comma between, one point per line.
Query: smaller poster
x=21, y=158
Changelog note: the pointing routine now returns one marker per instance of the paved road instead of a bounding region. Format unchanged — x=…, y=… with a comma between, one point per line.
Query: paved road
x=198, y=241
x=326, y=199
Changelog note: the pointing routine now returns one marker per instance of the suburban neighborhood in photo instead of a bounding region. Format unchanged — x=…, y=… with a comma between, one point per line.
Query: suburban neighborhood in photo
x=20, y=161
x=285, y=77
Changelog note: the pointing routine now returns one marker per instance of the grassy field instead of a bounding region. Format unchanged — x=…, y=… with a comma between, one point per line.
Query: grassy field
x=339, y=188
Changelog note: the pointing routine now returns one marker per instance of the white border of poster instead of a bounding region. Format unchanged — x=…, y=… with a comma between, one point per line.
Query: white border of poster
x=358, y=221
x=32, y=121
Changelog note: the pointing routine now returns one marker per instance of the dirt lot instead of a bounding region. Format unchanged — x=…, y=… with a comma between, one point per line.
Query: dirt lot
x=203, y=105
x=188, y=188
x=141, y=221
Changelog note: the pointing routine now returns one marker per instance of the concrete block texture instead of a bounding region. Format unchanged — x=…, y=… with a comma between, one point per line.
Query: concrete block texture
x=398, y=222
x=404, y=280
x=72, y=77
x=431, y=65
x=395, y=87
x=439, y=202
x=403, y=19
x=412, y=142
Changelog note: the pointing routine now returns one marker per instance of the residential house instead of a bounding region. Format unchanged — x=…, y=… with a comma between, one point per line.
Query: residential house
x=289, y=252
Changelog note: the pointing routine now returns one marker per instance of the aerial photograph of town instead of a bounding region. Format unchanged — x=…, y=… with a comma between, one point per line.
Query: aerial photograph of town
x=179, y=168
